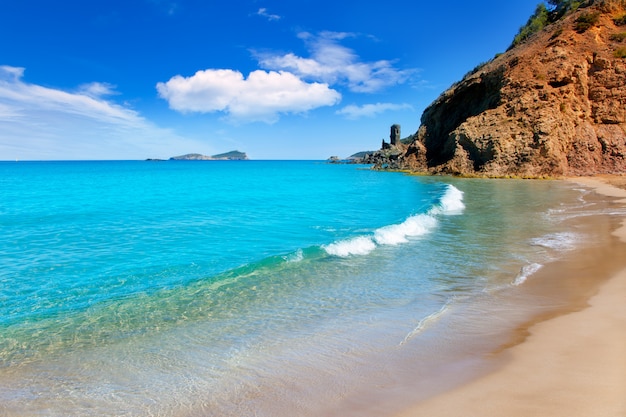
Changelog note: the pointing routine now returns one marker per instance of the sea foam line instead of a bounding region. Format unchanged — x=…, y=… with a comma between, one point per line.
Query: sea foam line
x=425, y=321
x=451, y=203
x=562, y=242
x=525, y=272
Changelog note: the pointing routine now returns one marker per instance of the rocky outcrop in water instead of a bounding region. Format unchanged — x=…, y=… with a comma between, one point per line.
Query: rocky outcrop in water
x=554, y=105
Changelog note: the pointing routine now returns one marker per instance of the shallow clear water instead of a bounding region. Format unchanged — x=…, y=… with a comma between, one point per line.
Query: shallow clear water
x=224, y=288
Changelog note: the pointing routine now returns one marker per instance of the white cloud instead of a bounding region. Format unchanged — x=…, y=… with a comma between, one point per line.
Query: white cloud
x=39, y=122
x=25, y=98
x=264, y=13
x=8, y=112
x=260, y=97
x=333, y=63
x=370, y=110
x=96, y=89
x=9, y=73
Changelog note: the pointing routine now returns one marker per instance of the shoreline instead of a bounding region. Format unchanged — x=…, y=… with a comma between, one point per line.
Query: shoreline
x=570, y=363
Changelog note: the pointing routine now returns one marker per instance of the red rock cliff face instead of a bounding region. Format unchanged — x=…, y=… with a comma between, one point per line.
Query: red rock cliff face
x=555, y=105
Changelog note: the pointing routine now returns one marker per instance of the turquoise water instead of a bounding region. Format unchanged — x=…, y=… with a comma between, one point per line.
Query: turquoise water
x=224, y=288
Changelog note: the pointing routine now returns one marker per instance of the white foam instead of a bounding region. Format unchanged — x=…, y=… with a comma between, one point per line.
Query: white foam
x=451, y=202
x=296, y=256
x=564, y=241
x=525, y=272
x=398, y=233
x=361, y=245
x=394, y=234
x=423, y=323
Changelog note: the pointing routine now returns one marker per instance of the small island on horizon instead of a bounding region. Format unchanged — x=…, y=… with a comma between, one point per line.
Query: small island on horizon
x=227, y=156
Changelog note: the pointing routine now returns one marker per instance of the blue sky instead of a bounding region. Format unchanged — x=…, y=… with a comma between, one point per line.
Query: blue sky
x=138, y=79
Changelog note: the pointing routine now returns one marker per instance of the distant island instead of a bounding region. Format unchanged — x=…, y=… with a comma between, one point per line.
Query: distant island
x=228, y=156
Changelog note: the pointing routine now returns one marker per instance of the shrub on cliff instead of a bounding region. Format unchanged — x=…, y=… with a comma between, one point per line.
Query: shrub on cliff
x=543, y=16
x=561, y=7
x=618, y=37
x=586, y=21
x=535, y=23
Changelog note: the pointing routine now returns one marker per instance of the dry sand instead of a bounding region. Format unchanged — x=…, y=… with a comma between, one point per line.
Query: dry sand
x=571, y=365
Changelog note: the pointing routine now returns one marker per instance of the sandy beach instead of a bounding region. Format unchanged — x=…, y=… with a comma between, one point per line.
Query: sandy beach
x=573, y=364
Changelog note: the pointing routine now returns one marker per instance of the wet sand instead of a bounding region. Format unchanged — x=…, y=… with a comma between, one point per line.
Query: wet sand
x=572, y=364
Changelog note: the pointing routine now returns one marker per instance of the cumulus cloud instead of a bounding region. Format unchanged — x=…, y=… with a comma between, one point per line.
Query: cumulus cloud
x=370, y=110
x=286, y=84
x=263, y=96
x=332, y=63
x=39, y=122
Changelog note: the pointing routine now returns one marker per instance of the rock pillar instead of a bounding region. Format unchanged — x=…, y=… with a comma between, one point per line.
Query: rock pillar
x=394, y=137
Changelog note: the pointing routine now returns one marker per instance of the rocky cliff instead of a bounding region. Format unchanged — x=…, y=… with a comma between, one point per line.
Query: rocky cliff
x=553, y=105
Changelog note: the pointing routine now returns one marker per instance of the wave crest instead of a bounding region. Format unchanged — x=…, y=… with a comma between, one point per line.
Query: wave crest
x=361, y=245
x=398, y=233
x=451, y=203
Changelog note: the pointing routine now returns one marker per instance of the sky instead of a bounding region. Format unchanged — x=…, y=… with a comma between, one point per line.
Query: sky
x=299, y=79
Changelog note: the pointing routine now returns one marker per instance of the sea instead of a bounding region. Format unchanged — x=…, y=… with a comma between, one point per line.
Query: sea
x=263, y=288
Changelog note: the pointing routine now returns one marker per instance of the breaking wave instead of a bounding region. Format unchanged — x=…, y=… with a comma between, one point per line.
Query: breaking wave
x=451, y=203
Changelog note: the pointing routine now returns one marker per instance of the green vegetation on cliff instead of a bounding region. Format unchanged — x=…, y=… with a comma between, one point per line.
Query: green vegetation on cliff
x=535, y=23
x=543, y=16
x=586, y=21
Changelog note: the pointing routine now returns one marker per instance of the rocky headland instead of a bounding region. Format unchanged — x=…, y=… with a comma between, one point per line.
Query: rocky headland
x=552, y=105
